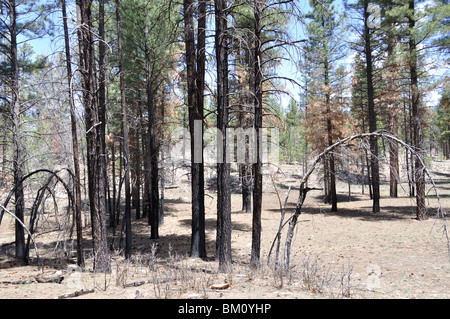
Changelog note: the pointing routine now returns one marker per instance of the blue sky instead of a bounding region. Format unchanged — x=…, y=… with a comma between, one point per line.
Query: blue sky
x=288, y=68
x=48, y=45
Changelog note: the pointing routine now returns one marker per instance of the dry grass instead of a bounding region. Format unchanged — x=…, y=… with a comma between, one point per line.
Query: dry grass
x=331, y=254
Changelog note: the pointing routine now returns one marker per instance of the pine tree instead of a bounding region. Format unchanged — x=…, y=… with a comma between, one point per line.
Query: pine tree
x=24, y=19
x=125, y=130
x=241, y=49
x=367, y=46
x=75, y=148
x=96, y=177
x=416, y=113
x=291, y=138
x=390, y=95
x=195, y=64
x=443, y=120
x=223, y=167
x=326, y=48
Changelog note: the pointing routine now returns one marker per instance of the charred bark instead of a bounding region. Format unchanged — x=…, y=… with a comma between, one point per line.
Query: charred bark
x=125, y=131
x=195, y=64
x=417, y=121
x=374, y=164
x=17, y=138
x=257, y=166
x=152, y=148
x=223, y=168
x=96, y=177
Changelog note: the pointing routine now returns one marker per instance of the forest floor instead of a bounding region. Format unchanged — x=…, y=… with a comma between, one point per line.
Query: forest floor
x=352, y=253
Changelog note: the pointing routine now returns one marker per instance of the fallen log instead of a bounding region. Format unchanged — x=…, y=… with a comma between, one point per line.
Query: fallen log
x=76, y=293
x=137, y=284
x=49, y=280
x=34, y=280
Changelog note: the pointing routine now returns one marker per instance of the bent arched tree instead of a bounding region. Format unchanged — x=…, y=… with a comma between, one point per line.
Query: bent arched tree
x=34, y=209
x=304, y=189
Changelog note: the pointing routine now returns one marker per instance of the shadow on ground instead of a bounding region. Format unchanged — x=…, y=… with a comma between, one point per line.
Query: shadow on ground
x=363, y=212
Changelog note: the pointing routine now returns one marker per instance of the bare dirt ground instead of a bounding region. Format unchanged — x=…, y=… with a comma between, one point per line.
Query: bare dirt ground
x=352, y=253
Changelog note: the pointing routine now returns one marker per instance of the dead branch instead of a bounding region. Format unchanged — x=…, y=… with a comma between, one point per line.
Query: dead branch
x=54, y=173
x=37, y=202
x=278, y=236
x=150, y=281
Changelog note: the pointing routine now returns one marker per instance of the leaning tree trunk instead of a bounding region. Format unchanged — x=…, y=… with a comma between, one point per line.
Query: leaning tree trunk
x=96, y=177
x=75, y=152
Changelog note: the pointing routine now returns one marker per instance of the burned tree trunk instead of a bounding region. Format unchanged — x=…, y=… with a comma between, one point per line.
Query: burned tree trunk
x=17, y=137
x=246, y=121
x=374, y=164
x=126, y=148
x=96, y=177
x=332, y=197
x=416, y=116
x=393, y=156
x=257, y=166
x=152, y=186
x=195, y=64
x=136, y=160
x=223, y=168
x=102, y=89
